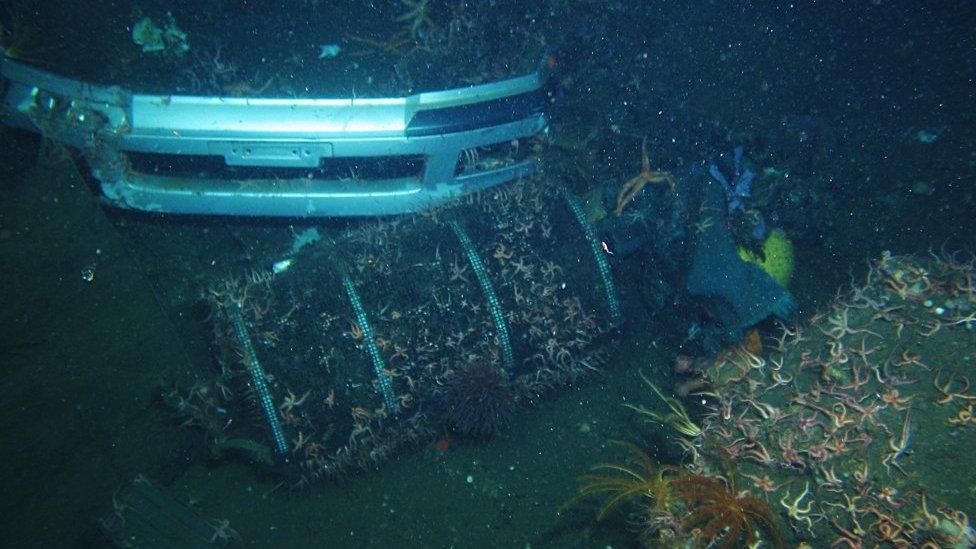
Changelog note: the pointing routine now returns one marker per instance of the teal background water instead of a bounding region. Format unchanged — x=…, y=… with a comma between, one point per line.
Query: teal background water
x=83, y=361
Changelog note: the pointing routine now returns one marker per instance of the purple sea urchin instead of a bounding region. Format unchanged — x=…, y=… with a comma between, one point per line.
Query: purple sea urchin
x=479, y=400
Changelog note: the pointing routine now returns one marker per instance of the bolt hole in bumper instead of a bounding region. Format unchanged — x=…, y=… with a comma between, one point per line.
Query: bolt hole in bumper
x=283, y=157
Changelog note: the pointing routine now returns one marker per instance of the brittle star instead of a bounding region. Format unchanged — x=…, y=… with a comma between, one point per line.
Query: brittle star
x=794, y=511
x=841, y=328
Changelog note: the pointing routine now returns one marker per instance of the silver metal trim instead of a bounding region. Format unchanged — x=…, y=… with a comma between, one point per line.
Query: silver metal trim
x=105, y=122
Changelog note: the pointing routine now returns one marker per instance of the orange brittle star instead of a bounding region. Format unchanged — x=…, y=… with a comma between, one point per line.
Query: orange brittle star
x=637, y=183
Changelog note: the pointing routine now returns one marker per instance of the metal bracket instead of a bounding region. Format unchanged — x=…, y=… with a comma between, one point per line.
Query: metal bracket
x=109, y=124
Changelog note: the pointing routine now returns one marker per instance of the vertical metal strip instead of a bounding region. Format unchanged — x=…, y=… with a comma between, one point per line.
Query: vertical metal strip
x=379, y=368
x=601, y=261
x=257, y=378
x=494, y=306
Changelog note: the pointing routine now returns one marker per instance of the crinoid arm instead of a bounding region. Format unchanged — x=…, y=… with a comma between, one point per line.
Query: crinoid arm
x=678, y=418
x=723, y=516
x=622, y=482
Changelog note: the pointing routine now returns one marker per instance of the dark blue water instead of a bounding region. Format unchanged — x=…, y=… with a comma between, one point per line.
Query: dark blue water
x=855, y=118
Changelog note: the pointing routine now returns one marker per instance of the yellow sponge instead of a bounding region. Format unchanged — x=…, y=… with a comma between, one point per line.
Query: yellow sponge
x=778, y=261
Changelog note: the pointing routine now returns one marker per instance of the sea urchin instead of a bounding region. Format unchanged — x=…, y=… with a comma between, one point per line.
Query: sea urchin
x=479, y=400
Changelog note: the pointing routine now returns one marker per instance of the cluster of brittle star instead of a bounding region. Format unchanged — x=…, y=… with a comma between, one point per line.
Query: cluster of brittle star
x=824, y=424
x=425, y=340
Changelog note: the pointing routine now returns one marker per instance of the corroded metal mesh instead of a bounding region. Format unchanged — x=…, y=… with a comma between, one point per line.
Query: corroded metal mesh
x=428, y=317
